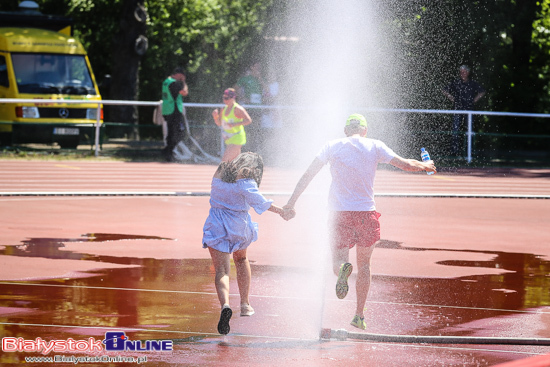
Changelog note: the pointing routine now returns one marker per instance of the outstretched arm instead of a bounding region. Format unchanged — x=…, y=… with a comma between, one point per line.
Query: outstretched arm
x=276, y=209
x=412, y=165
x=304, y=181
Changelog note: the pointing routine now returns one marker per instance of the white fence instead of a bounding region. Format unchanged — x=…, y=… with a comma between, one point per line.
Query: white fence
x=470, y=132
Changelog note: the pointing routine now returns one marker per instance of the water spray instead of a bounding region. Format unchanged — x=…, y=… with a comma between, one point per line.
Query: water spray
x=342, y=335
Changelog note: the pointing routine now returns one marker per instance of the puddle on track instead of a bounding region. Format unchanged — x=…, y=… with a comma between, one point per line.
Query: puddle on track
x=180, y=295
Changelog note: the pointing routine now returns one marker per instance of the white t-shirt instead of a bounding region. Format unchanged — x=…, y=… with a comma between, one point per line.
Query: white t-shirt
x=353, y=162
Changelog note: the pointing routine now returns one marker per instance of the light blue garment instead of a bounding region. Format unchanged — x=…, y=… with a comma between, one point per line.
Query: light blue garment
x=229, y=226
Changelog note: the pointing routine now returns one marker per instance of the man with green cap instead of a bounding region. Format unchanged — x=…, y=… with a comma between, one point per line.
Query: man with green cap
x=353, y=217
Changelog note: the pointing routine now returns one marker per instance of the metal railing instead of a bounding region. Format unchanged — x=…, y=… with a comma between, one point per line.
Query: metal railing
x=469, y=133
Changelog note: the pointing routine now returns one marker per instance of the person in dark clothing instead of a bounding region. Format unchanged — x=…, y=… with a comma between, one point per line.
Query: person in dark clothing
x=174, y=89
x=464, y=93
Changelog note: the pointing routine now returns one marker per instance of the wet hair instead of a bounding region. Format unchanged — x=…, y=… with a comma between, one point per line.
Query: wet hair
x=354, y=129
x=246, y=165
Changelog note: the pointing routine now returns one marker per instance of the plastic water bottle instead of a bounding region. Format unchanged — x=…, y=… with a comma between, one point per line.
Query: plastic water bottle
x=425, y=157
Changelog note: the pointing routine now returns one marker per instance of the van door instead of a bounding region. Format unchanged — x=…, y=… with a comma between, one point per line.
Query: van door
x=5, y=123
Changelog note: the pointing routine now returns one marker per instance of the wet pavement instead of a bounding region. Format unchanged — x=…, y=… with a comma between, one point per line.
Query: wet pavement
x=78, y=267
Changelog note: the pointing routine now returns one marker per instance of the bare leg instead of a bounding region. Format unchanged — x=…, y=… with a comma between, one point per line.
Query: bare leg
x=339, y=256
x=339, y=237
x=231, y=152
x=363, y=277
x=222, y=268
x=243, y=274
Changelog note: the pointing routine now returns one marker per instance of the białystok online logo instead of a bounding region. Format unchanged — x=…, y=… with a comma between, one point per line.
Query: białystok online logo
x=117, y=340
x=114, y=341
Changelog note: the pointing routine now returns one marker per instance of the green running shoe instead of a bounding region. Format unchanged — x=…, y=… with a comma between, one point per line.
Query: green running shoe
x=359, y=322
x=342, y=283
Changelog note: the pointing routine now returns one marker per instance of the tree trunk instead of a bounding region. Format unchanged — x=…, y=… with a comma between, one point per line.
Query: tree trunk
x=129, y=45
x=522, y=77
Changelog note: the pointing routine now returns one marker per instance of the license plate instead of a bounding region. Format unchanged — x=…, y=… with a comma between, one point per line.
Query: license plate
x=66, y=131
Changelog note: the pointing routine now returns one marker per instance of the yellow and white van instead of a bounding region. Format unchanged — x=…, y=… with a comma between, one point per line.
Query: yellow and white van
x=38, y=64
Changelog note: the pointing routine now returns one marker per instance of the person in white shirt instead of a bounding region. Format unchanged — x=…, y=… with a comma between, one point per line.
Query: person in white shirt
x=353, y=219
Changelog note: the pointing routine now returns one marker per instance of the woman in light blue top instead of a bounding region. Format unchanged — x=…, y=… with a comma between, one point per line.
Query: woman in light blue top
x=229, y=228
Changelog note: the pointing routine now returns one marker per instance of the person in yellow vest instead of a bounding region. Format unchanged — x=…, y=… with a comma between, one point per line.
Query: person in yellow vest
x=232, y=119
x=174, y=89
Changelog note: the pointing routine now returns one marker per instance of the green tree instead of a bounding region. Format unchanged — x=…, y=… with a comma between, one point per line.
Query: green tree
x=541, y=55
x=129, y=46
x=506, y=42
x=212, y=39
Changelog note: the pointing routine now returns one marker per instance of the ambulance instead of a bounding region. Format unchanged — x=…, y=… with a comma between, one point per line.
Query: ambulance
x=40, y=60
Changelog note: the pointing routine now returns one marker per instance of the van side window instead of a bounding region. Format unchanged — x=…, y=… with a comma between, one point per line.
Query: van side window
x=4, y=82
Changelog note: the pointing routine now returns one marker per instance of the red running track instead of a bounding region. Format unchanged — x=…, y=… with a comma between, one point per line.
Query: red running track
x=124, y=253
x=117, y=177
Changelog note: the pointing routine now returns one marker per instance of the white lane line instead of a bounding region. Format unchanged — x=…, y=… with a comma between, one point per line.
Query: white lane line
x=274, y=193
x=275, y=297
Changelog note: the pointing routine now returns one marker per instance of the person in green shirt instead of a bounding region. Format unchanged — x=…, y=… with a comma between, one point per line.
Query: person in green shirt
x=174, y=89
x=250, y=87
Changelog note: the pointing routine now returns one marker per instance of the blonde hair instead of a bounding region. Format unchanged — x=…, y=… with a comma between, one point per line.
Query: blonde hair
x=245, y=165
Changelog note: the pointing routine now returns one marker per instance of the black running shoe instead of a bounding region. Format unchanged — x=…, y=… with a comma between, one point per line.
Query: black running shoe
x=223, y=324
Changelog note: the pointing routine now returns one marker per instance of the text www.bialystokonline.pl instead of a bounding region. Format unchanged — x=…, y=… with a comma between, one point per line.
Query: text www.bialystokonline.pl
x=86, y=359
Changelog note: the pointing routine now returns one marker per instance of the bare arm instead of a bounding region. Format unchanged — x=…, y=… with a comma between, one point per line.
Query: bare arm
x=185, y=91
x=216, y=115
x=478, y=96
x=412, y=165
x=241, y=113
x=304, y=181
x=276, y=209
x=448, y=95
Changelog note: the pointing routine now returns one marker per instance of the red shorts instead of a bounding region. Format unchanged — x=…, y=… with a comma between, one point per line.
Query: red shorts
x=355, y=228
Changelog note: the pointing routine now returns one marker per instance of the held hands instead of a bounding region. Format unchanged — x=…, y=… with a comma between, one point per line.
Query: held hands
x=288, y=212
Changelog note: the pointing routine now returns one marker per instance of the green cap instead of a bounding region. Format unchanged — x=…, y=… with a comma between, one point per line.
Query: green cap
x=356, y=119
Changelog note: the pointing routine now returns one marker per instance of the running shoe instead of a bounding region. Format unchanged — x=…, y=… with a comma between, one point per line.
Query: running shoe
x=225, y=316
x=246, y=310
x=342, y=283
x=359, y=322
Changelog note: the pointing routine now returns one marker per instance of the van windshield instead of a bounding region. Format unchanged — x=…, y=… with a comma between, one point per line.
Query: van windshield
x=52, y=74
